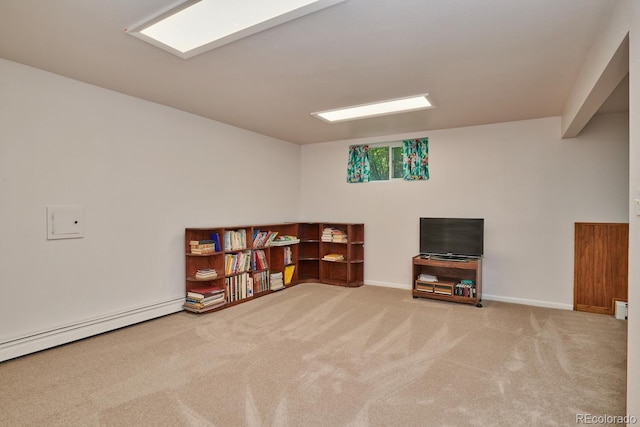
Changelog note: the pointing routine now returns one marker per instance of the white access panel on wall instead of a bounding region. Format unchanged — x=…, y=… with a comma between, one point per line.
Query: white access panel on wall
x=65, y=222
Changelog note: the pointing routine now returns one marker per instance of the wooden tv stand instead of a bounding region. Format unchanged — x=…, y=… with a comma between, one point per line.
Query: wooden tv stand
x=457, y=281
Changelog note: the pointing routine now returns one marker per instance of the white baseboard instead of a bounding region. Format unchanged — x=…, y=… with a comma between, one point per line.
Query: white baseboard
x=523, y=301
x=389, y=285
x=51, y=338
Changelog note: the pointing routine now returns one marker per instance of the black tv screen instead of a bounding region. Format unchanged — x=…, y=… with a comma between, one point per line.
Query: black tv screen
x=452, y=236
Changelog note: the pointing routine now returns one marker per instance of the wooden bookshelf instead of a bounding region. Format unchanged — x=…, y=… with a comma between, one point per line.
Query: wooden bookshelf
x=457, y=281
x=309, y=252
x=347, y=242
x=244, y=266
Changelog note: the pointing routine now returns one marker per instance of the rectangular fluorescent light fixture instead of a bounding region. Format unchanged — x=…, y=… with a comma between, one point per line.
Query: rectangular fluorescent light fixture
x=195, y=26
x=383, y=108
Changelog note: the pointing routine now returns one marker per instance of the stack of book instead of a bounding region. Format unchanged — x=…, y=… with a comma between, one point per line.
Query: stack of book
x=327, y=235
x=206, y=274
x=333, y=257
x=199, y=300
x=339, y=236
x=202, y=247
x=424, y=277
x=330, y=234
x=285, y=240
x=276, y=281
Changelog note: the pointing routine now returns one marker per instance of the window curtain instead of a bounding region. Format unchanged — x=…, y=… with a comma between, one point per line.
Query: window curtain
x=415, y=159
x=358, y=164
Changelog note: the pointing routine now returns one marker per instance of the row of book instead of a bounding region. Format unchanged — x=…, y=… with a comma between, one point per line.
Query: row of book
x=263, y=238
x=466, y=288
x=237, y=262
x=260, y=260
x=239, y=287
x=199, y=300
x=288, y=255
x=335, y=235
x=235, y=239
x=261, y=281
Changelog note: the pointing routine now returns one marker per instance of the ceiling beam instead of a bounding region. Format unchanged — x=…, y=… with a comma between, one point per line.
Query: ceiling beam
x=605, y=67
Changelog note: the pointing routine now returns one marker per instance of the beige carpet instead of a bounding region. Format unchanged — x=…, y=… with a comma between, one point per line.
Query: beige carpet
x=320, y=355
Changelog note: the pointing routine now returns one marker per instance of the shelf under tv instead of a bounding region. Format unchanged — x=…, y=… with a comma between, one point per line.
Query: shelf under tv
x=447, y=273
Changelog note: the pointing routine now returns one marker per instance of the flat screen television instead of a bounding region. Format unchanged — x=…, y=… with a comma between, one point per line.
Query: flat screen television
x=452, y=237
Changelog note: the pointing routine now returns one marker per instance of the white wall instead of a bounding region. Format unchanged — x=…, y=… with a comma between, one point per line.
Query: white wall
x=143, y=172
x=633, y=328
x=528, y=184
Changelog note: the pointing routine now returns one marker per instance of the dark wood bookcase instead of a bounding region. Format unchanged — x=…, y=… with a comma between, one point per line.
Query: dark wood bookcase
x=304, y=258
x=349, y=270
x=451, y=276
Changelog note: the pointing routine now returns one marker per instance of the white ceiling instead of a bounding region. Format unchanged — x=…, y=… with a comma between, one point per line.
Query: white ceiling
x=482, y=61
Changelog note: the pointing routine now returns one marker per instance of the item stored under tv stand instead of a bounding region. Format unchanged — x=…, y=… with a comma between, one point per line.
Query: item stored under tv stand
x=447, y=280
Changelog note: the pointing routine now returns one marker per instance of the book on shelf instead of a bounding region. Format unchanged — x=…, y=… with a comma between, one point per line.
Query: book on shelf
x=427, y=278
x=238, y=262
x=333, y=257
x=235, y=239
x=284, y=240
x=200, y=245
x=288, y=255
x=199, y=248
x=271, y=236
x=216, y=241
x=288, y=273
x=263, y=238
x=239, y=287
x=194, y=309
x=204, y=292
x=276, y=281
x=206, y=273
x=257, y=237
x=202, y=251
x=465, y=288
x=261, y=281
x=204, y=302
x=334, y=235
x=260, y=260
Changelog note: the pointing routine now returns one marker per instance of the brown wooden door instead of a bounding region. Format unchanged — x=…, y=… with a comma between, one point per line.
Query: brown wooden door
x=601, y=266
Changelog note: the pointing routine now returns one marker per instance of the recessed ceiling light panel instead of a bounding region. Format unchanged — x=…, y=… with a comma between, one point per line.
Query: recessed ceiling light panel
x=196, y=26
x=383, y=108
